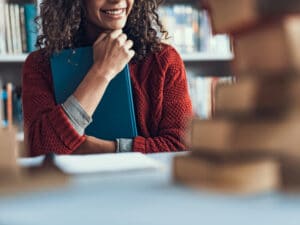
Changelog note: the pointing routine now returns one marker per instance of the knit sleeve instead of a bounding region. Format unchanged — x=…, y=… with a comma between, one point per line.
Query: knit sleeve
x=46, y=126
x=176, y=111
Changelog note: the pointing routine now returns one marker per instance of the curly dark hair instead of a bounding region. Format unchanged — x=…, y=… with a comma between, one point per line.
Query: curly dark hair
x=62, y=23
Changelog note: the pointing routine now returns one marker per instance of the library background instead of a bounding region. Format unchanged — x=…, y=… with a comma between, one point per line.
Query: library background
x=243, y=139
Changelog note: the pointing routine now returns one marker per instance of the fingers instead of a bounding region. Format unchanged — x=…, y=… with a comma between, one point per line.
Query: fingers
x=128, y=49
x=100, y=38
x=116, y=40
x=131, y=54
x=121, y=40
x=115, y=34
x=128, y=44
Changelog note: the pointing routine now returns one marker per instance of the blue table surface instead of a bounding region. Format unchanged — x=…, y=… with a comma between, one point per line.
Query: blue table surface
x=145, y=197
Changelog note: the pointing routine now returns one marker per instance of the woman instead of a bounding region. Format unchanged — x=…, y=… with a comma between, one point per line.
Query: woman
x=121, y=32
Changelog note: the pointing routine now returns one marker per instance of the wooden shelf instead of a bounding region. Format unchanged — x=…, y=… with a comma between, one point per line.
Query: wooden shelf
x=13, y=58
x=206, y=56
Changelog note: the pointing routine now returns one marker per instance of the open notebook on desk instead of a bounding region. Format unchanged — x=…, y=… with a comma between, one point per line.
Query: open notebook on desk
x=100, y=163
x=114, y=117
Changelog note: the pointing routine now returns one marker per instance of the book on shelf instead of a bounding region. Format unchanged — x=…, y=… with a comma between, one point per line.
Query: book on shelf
x=233, y=16
x=30, y=11
x=177, y=17
x=202, y=93
x=11, y=106
x=243, y=176
x=23, y=29
x=17, y=24
x=272, y=48
x=114, y=117
x=8, y=34
x=2, y=29
x=14, y=25
x=2, y=109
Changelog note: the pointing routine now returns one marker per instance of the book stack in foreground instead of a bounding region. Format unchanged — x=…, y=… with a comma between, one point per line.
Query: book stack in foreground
x=253, y=143
x=16, y=179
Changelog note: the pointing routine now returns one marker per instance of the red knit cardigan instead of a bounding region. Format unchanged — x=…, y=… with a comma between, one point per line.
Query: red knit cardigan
x=160, y=92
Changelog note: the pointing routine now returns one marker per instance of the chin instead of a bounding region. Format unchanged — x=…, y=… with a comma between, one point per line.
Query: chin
x=116, y=27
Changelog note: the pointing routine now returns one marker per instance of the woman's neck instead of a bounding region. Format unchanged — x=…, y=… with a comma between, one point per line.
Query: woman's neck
x=92, y=32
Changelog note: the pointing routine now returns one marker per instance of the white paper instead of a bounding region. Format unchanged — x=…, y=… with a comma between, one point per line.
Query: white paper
x=82, y=164
x=31, y=161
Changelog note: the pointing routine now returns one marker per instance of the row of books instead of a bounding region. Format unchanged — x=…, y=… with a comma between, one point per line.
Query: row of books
x=190, y=31
x=18, y=30
x=11, y=106
x=203, y=91
x=252, y=144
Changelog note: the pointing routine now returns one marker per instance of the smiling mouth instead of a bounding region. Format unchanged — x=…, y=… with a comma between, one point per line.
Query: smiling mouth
x=114, y=12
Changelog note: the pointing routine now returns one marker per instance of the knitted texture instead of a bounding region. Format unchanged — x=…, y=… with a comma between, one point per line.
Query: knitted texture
x=162, y=106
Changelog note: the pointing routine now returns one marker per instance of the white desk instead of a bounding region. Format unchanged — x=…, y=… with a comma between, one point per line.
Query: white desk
x=144, y=198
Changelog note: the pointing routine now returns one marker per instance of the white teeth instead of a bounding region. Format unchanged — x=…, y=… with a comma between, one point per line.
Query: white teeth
x=114, y=12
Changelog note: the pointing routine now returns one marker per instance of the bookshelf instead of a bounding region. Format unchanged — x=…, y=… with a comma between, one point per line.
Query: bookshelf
x=190, y=33
x=207, y=57
x=15, y=39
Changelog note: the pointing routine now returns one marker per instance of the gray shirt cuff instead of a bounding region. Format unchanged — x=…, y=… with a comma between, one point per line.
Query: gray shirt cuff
x=77, y=115
x=124, y=145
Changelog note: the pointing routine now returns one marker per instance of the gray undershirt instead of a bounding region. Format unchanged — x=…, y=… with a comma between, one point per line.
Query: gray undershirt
x=80, y=120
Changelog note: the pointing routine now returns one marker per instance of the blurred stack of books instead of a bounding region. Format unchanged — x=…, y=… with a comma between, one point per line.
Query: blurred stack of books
x=18, y=30
x=177, y=20
x=17, y=179
x=252, y=145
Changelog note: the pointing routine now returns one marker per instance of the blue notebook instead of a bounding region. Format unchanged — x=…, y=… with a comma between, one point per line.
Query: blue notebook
x=114, y=116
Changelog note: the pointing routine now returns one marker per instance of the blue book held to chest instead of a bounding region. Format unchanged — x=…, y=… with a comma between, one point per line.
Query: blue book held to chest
x=114, y=116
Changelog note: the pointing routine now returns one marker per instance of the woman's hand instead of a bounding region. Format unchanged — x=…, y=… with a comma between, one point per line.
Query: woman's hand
x=94, y=145
x=112, y=51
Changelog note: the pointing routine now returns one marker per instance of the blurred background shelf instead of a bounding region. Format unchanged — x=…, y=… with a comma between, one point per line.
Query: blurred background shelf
x=13, y=58
x=206, y=56
x=187, y=57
